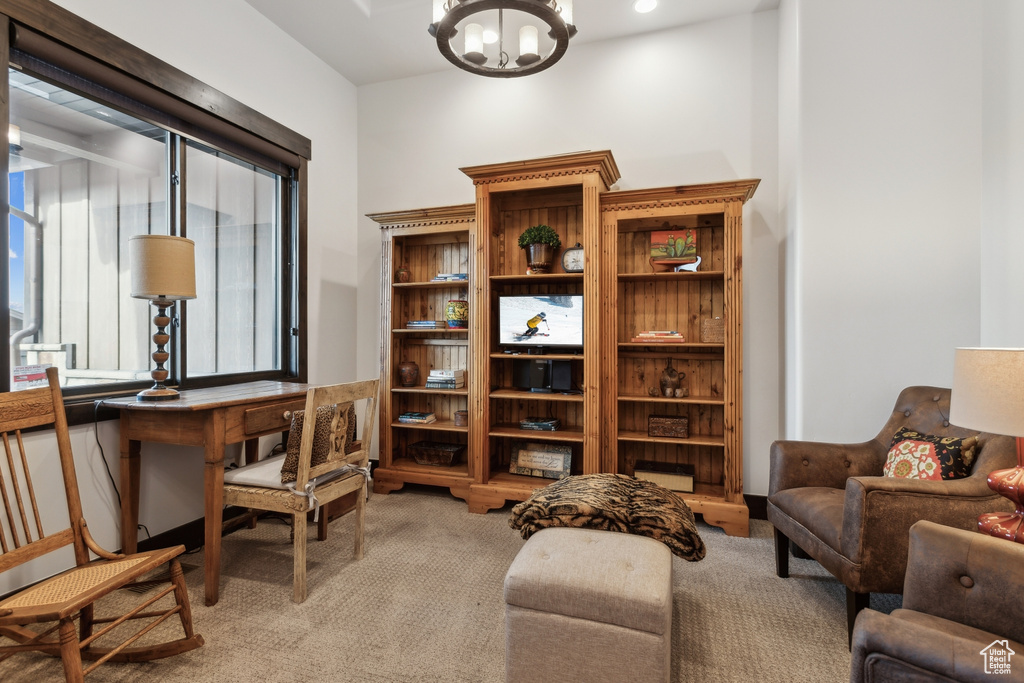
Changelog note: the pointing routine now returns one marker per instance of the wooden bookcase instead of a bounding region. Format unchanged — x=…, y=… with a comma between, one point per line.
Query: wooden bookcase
x=711, y=371
x=427, y=242
x=563, y=192
x=604, y=420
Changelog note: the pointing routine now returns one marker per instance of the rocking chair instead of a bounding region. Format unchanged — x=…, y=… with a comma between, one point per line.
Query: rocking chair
x=43, y=617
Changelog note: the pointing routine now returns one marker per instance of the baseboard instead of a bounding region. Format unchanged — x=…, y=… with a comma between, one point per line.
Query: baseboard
x=192, y=534
x=757, y=505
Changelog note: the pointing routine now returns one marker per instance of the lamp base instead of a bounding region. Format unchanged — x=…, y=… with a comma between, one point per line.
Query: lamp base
x=1007, y=483
x=157, y=394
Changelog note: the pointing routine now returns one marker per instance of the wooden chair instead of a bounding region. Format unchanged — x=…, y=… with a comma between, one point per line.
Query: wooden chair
x=42, y=617
x=328, y=469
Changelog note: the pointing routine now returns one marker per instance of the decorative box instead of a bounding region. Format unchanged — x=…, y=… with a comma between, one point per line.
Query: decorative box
x=436, y=453
x=674, y=426
x=712, y=331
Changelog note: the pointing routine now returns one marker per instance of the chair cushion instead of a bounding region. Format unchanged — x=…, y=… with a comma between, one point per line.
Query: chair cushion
x=321, y=440
x=913, y=455
x=265, y=473
x=819, y=509
x=612, y=502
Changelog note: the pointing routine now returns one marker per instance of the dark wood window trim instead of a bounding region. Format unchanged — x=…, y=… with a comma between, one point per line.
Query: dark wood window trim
x=60, y=25
x=52, y=33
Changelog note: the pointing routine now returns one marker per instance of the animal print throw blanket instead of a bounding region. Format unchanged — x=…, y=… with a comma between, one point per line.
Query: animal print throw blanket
x=612, y=502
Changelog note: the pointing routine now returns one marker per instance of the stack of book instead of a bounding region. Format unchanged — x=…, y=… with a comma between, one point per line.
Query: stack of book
x=659, y=336
x=444, y=378
x=451, y=277
x=426, y=325
x=540, y=424
x=673, y=476
x=417, y=418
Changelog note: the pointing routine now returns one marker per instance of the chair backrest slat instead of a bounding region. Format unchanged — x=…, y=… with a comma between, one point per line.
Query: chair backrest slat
x=23, y=538
x=7, y=485
x=341, y=396
x=47, y=544
x=26, y=409
x=15, y=484
x=31, y=488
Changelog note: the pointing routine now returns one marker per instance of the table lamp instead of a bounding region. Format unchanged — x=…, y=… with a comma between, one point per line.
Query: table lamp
x=988, y=395
x=163, y=271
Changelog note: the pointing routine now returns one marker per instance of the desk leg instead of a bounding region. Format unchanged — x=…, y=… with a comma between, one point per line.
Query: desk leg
x=213, y=483
x=130, y=450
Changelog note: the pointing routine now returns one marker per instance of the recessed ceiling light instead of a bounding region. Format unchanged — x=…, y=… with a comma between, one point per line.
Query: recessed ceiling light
x=644, y=6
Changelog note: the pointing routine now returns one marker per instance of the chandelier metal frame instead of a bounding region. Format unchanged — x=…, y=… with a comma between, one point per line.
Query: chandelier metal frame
x=547, y=11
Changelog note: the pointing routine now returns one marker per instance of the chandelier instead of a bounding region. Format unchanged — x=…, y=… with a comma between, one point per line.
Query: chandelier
x=468, y=19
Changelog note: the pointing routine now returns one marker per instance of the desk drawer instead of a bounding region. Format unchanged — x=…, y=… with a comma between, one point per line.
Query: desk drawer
x=277, y=417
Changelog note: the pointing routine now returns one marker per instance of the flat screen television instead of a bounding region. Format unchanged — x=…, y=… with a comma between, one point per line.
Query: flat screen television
x=541, y=320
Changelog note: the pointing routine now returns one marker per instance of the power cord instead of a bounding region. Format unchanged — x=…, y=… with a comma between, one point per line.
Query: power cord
x=106, y=465
x=96, y=435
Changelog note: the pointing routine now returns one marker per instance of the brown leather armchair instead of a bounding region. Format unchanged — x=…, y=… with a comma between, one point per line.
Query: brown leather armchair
x=832, y=501
x=961, y=603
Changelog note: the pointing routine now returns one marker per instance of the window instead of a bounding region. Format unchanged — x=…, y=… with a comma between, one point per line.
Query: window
x=96, y=157
x=83, y=178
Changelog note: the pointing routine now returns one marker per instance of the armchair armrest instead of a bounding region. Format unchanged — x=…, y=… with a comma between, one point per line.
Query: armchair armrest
x=967, y=577
x=879, y=511
x=795, y=464
x=903, y=645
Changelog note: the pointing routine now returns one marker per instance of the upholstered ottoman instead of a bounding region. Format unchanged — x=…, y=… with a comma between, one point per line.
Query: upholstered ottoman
x=588, y=606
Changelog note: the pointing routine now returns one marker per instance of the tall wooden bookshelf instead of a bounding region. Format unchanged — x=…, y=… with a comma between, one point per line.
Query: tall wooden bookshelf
x=711, y=369
x=604, y=418
x=426, y=242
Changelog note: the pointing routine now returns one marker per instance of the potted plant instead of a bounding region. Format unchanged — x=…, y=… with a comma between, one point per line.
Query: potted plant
x=540, y=242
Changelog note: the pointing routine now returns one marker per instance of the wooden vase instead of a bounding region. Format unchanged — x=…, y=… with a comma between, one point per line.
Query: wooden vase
x=408, y=373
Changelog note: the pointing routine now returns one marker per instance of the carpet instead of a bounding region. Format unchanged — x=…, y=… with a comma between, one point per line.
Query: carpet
x=425, y=605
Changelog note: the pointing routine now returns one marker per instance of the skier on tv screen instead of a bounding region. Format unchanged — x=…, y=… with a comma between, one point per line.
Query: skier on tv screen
x=533, y=323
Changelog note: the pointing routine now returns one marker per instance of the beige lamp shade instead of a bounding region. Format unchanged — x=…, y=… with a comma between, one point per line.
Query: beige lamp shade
x=988, y=390
x=163, y=267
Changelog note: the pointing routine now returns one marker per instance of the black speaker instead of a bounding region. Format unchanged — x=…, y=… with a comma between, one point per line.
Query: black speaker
x=561, y=375
x=530, y=374
x=521, y=373
x=539, y=374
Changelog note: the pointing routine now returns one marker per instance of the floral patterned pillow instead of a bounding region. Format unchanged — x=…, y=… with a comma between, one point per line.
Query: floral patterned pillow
x=913, y=455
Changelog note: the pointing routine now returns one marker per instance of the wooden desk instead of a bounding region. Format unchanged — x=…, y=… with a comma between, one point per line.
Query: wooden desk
x=210, y=418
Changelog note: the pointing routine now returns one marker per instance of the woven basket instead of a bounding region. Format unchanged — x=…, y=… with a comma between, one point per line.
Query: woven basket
x=712, y=331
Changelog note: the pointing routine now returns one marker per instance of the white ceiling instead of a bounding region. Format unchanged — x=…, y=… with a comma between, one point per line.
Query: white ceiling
x=368, y=41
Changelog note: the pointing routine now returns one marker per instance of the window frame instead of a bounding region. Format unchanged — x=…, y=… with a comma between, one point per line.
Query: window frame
x=118, y=74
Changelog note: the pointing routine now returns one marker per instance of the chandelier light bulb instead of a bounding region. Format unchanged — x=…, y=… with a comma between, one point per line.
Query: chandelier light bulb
x=475, y=44
x=490, y=36
x=528, y=43
x=528, y=40
x=644, y=6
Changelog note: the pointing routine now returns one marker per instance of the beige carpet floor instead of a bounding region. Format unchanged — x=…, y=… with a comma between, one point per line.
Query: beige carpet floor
x=425, y=605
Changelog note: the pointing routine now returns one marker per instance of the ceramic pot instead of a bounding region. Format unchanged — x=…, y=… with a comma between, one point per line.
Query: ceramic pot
x=456, y=312
x=669, y=380
x=402, y=274
x=408, y=373
x=539, y=257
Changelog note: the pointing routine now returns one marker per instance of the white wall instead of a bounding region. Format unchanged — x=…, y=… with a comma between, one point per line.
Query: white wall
x=233, y=48
x=883, y=204
x=690, y=105
x=1002, y=274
